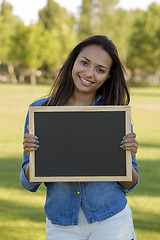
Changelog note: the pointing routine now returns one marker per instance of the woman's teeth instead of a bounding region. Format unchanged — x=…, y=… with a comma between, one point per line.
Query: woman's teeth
x=85, y=81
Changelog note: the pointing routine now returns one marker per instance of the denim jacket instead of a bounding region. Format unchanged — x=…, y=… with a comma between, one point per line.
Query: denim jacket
x=99, y=200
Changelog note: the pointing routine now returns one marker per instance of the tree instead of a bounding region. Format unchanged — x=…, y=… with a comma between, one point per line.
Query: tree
x=34, y=48
x=59, y=32
x=119, y=30
x=145, y=40
x=85, y=24
x=102, y=17
x=39, y=47
x=53, y=14
x=26, y=48
x=8, y=25
x=95, y=17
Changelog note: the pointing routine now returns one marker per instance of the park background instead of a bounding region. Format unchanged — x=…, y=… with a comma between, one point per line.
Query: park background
x=31, y=54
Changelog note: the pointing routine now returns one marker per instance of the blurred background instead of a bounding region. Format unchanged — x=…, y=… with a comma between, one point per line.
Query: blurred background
x=35, y=39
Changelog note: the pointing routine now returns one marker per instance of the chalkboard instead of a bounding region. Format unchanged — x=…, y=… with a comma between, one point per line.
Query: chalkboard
x=80, y=144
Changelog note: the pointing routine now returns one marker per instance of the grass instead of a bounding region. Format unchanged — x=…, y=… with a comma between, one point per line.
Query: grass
x=145, y=200
x=21, y=212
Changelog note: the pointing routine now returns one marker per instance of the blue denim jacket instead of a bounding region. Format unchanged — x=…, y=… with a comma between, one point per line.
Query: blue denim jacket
x=99, y=200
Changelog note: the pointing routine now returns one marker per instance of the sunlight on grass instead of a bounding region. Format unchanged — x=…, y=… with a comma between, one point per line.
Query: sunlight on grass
x=25, y=230
x=23, y=197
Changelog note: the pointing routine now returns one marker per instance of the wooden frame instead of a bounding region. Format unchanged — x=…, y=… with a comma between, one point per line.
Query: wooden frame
x=124, y=110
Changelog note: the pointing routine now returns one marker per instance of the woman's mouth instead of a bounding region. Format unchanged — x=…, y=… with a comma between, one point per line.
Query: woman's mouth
x=85, y=81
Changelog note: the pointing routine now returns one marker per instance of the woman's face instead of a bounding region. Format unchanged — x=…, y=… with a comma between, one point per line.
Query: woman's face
x=91, y=69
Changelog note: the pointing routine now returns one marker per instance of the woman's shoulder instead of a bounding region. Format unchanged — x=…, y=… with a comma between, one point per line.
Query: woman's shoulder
x=38, y=102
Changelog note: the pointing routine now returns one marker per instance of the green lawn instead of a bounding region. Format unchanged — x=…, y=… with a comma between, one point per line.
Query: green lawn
x=21, y=212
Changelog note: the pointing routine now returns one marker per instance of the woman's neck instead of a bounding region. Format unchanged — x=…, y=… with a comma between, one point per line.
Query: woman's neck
x=81, y=99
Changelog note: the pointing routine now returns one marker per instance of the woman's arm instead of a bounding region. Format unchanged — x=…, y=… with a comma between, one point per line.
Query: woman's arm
x=131, y=184
x=24, y=175
x=30, y=143
x=27, y=171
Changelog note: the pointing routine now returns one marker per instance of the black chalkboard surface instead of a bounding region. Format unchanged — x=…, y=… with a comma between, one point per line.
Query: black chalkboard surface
x=80, y=144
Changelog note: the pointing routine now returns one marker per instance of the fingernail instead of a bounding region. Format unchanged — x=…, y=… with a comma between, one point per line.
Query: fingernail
x=36, y=137
x=37, y=147
x=121, y=142
x=124, y=138
x=37, y=141
x=121, y=146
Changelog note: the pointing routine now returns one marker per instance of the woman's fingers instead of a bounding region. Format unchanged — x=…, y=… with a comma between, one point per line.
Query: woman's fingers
x=28, y=147
x=131, y=135
x=30, y=143
x=132, y=149
x=129, y=142
x=30, y=138
x=28, y=150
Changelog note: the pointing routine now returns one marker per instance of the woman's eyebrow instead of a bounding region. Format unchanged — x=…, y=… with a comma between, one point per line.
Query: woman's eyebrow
x=86, y=59
x=102, y=66
x=90, y=61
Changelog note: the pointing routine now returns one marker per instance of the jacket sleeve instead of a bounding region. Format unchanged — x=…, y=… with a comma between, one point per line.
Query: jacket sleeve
x=23, y=180
x=134, y=164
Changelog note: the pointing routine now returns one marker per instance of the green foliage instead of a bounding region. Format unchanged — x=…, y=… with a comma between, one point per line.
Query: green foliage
x=93, y=17
x=8, y=25
x=145, y=40
x=29, y=39
x=119, y=30
x=26, y=48
x=84, y=25
x=59, y=35
x=42, y=45
x=46, y=44
x=53, y=15
x=101, y=17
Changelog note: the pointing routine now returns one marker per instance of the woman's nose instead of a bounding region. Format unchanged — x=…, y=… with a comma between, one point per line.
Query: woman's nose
x=89, y=71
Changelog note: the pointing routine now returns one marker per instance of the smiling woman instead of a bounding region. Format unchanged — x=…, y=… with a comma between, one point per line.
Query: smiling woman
x=96, y=61
x=91, y=75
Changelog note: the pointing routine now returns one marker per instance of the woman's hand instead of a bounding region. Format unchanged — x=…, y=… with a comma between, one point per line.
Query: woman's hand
x=130, y=143
x=30, y=143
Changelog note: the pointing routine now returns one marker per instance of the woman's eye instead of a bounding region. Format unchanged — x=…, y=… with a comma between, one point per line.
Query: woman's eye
x=84, y=63
x=100, y=70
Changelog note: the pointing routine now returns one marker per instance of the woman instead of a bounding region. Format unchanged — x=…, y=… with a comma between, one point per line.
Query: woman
x=92, y=75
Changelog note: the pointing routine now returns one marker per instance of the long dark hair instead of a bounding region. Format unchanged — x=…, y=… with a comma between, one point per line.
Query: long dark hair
x=113, y=91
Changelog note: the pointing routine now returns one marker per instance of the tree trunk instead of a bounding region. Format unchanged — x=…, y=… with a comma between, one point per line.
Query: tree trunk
x=12, y=74
x=21, y=78
x=33, y=77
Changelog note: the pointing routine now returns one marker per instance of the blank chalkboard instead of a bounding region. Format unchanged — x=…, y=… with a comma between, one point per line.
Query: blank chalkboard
x=80, y=144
